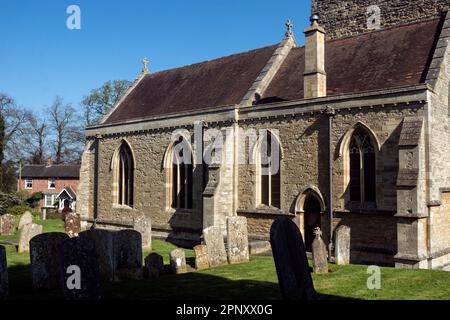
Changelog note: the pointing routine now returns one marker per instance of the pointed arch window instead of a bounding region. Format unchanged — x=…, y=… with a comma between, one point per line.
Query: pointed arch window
x=125, y=176
x=270, y=172
x=362, y=168
x=181, y=177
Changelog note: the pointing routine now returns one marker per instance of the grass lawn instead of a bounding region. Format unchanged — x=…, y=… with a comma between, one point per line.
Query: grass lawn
x=254, y=280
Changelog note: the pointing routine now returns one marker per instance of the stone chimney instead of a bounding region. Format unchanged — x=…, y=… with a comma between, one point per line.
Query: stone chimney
x=314, y=78
x=49, y=161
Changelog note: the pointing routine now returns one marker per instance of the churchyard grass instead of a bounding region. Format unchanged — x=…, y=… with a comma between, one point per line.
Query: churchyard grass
x=254, y=280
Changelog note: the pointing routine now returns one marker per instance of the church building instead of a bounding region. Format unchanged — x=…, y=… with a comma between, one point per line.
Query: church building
x=359, y=114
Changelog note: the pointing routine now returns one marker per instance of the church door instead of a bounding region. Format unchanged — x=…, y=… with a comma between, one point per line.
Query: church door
x=312, y=220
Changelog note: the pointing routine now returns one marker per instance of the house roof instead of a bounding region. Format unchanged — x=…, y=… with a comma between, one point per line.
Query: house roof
x=69, y=191
x=381, y=59
x=53, y=171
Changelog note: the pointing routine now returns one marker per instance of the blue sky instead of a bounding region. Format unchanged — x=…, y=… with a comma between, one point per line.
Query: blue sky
x=40, y=58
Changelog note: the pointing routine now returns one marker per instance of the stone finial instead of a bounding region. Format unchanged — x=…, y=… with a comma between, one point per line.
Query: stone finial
x=289, y=27
x=314, y=19
x=145, y=62
x=317, y=232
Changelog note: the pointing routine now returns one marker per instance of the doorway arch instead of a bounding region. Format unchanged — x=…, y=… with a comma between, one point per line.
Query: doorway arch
x=309, y=208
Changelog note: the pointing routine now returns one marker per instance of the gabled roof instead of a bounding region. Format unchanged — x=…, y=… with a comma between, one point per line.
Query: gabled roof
x=383, y=59
x=53, y=171
x=69, y=191
x=213, y=83
x=377, y=60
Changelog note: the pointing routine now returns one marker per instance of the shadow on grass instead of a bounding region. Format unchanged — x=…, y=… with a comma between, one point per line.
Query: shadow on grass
x=189, y=286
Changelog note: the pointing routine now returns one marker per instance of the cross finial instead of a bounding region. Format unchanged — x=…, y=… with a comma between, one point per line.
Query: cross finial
x=318, y=232
x=145, y=62
x=289, y=26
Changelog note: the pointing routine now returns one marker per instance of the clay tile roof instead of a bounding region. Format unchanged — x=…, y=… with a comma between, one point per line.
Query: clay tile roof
x=214, y=83
x=382, y=59
x=54, y=171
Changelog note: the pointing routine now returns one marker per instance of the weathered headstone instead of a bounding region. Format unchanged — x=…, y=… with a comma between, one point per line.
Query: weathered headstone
x=178, y=261
x=28, y=232
x=7, y=227
x=80, y=277
x=26, y=218
x=143, y=225
x=289, y=254
x=104, y=248
x=319, y=253
x=72, y=224
x=45, y=257
x=217, y=256
x=237, y=240
x=127, y=255
x=154, y=266
x=4, y=287
x=201, y=257
x=342, y=245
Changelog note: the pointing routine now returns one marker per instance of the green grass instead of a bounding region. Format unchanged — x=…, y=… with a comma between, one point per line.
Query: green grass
x=254, y=280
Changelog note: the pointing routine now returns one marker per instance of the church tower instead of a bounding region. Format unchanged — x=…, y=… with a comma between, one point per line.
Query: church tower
x=342, y=18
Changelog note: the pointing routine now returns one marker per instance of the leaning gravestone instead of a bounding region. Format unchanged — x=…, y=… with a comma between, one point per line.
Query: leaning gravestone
x=104, y=248
x=26, y=218
x=79, y=275
x=4, y=288
x=45, y=256
x=178, y=261
x=143, y=225
x=127, y=255
x=217, y=256
x=289, y=254
x=72, y=224
x=342, y=246
x=7, y=227
x=237, y=240
x=319, y=253
x=201, y=257
x=28, y=232
x=153, y=266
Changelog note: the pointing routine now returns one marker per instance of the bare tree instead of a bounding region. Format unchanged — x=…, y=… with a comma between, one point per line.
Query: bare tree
x=37, y=140
x=101, y=100
x=67, y=137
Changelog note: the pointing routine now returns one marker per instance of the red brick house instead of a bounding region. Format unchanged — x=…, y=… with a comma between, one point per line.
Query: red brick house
x=56, y=183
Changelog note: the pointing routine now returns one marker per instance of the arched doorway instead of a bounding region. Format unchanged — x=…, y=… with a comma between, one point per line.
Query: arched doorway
x=312, y=219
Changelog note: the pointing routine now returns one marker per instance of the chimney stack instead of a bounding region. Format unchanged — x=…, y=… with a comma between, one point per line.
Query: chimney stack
x=314, y=77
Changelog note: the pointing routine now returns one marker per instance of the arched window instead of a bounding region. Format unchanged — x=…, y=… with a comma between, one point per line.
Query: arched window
x=362, y=167
x=124, y=174
x=270, y=162
x=181, y=176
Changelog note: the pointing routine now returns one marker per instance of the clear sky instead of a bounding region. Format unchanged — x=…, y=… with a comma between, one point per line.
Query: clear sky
x=41, y=58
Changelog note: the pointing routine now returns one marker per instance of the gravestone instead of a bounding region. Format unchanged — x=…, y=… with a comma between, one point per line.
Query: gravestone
x=104, y=249
x=127, y=255
x=72, y=224
x=201, y=257
x=178, y=261
x=237, y=240
x=28, y=232
x=143, y=225
x=289, y=254
x=215, y=247
x=80, y=277
x=45, y=257
x=319, y=253
x=7, y=227
x=26, y=218
x=4, y=287
x=342, y=245
x=153, y=266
